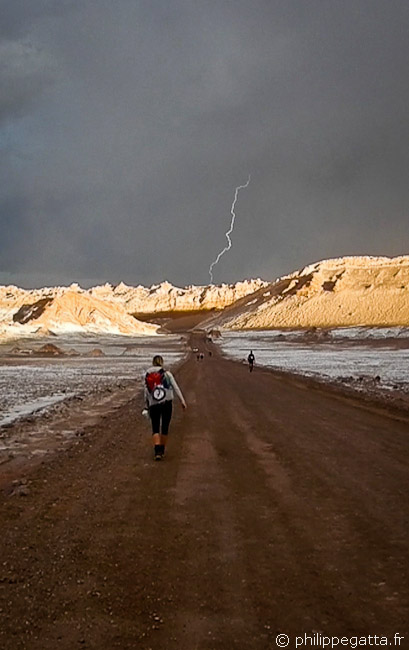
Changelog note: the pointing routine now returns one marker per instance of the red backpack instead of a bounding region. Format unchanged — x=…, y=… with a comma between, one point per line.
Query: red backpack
x=156, y=384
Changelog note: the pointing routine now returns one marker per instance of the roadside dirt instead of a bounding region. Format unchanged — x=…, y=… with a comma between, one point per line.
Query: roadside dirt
x=280, y=508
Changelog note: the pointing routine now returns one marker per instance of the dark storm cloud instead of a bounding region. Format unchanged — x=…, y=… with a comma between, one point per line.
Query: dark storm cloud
x=24, y=75
x=18, y=16
x=125, y=128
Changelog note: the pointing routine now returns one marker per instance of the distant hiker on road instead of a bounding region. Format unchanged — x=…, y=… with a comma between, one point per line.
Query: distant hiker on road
x=251, y=359
x=160, y=386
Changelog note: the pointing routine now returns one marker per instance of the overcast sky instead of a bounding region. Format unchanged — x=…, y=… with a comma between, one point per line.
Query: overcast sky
x=126, y=126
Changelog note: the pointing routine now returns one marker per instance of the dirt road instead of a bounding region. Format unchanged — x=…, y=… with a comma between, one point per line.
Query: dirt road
x=280, y=508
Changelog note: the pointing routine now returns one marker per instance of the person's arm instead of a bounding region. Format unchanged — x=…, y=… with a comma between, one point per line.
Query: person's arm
x=177, y=389
x=145, y=393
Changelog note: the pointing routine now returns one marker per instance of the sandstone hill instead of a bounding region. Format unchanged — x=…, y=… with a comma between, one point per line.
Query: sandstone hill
x=348, y=291
x=13, y=298
x=106, y=308
x=75, y=311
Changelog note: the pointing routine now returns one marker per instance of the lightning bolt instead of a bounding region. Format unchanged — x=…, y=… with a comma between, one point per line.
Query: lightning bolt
x=229, y=232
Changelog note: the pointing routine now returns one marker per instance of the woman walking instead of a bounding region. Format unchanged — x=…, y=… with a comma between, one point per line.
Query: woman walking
x=160, y=386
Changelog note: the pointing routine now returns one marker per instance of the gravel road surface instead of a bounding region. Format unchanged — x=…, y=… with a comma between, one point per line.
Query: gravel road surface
x=280, y=508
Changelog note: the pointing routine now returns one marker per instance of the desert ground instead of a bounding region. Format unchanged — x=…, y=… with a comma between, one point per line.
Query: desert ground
x=280, y=508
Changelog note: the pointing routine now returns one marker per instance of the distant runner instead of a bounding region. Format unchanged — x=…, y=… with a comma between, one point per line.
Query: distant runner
x=251, y=359
x=160, y=386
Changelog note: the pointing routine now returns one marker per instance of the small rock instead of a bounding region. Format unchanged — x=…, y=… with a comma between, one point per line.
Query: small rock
x=22, y=491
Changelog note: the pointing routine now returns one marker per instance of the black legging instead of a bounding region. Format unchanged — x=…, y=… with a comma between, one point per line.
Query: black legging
x=161, y=413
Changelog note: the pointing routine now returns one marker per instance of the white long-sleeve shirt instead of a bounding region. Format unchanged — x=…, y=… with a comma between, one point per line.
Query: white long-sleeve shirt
x=173, y=388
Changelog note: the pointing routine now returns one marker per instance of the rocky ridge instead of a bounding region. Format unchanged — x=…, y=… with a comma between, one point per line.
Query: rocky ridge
x=165, y=297
x=107, y=308
x=341, y=292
